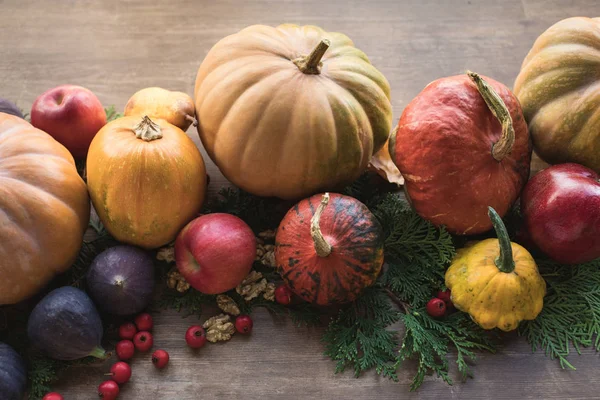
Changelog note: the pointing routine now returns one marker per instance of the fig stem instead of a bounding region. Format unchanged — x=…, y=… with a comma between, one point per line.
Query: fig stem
x=98, y=352
x=496, y=105
x=322, y=248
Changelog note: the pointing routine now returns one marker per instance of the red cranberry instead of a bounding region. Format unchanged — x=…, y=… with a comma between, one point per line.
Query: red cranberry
x=444, y=295
x=160, y=359
x=436, y=307
x=143, y=341
x=243, y=324
x=125, y=350
x=53, y=396
x=108, y=390
x=127, y=331
x=144, y=322
x=195, y=336
x=283, y=295
x=120, y=372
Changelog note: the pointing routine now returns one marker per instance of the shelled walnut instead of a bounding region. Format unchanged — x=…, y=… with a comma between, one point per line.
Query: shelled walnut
x=219, y=328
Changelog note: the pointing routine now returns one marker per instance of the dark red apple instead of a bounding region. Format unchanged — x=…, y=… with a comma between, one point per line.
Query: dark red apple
x=215, y=252
x=561, y=209
x=70, y=114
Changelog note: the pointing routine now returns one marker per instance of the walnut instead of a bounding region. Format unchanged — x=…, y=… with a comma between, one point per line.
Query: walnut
x=176, y=281
x=227, y=304
x=268, y=234
x=252, y=286
x=269, y=293
x=268, y=259
x=219, y=328
x=166, y=254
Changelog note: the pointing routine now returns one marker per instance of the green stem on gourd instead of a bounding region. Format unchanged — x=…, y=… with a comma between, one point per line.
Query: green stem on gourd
x=147, y=130
x=311, y=64
x=504, y=145
x=322, y=248
x=505, y=261
x=98, y=352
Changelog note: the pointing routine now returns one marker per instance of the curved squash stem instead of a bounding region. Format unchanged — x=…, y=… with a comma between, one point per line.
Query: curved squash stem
x=310, y=64
x=504, y=145
x=193, y=120
x=147, y=130
x=505, y=261
x=322, y=248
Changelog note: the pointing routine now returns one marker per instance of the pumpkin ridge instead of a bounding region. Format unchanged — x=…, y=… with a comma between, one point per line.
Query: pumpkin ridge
x=34, y=188
x=240, y=99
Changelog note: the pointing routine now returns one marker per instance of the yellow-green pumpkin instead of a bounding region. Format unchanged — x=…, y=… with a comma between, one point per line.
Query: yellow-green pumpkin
x=559, y=90
x=292, y=110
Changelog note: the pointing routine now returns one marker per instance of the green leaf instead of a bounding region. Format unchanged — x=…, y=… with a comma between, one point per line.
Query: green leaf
x=111, y=113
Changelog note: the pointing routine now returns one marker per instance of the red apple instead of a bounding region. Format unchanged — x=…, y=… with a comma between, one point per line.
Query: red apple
x=70, y=114
x=215, y=252
x=561, y=209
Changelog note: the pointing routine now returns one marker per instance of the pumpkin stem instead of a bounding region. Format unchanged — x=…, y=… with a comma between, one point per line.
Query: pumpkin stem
x=505, y=261
x=147, y=130
x=311, y=64
x=322, y=248
x=193, y=120
x=504, y=145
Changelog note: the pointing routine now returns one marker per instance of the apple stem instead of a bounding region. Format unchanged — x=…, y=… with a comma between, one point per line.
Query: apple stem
x=147, y=130
x=496, y=105
x=322, y=248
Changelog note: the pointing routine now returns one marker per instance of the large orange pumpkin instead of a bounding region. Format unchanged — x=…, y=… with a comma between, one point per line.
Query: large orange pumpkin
x=559, y=90
x=146, y=179
x=44, y=209
x=292, y=110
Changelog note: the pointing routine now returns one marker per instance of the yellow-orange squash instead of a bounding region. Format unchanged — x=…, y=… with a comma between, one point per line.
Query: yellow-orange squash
x=497, y=282
x=146, y=179
x=176, y=108
x=292, y=110
x=559, y=90
x=44, y=209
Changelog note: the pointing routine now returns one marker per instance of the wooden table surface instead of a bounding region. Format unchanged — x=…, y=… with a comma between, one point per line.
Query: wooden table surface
x=116, y=47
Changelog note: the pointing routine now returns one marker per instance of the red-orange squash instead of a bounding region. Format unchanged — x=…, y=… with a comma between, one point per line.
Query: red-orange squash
x=290, y=111
x=328, y=248
x=44, y=209
x=146, y=179
x=462, y=146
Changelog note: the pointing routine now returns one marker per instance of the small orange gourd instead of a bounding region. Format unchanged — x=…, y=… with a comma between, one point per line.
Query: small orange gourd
x=146, y=179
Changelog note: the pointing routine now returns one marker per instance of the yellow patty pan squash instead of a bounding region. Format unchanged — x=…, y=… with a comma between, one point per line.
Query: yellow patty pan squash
x=497, y=282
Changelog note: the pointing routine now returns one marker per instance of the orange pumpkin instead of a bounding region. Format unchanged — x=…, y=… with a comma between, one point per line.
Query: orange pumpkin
x=44, y=209
x=146, y=179
x=290, y=111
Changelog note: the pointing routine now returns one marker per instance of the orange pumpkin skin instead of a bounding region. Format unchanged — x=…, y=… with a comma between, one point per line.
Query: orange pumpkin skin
x=277, y=128
x=356, y=239
x=44, y=209
x=558, y=87
x=145, y=191
x=443, y=148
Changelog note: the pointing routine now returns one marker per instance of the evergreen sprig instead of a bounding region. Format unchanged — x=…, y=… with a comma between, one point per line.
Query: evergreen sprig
x=359, y=337
x=571, y=313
